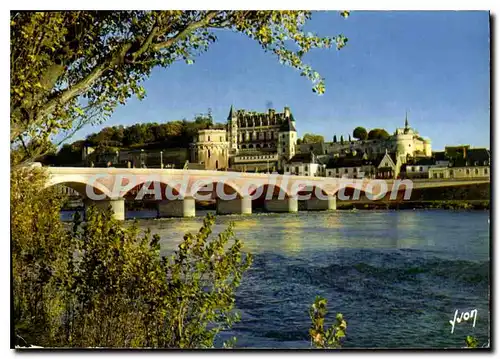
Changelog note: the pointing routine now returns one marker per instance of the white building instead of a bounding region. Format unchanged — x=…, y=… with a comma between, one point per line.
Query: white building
x=305, y=164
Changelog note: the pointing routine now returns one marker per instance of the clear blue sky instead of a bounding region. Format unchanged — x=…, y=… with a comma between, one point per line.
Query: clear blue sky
x=433, y=64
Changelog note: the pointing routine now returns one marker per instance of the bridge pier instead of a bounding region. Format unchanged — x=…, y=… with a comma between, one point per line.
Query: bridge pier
x=117, y=206
x=177, y=208
x=325, y=204
x=238, y=205
x=290, y=204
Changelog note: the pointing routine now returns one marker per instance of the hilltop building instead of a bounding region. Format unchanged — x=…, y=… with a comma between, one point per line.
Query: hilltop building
x=267, y=141
x=405, y=141
x=255, y=142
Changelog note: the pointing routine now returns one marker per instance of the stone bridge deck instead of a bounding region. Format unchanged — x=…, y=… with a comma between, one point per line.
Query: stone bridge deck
x=176, y=190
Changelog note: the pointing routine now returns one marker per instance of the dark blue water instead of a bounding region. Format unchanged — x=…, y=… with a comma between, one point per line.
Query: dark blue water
x=397, y=276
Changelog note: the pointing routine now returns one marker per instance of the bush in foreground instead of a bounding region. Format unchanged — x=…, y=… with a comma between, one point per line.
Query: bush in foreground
x=99, y=284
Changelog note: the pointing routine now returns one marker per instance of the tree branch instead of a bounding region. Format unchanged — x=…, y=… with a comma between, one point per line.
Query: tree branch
x=146, y=43
x=184, y=32
x=80, y=87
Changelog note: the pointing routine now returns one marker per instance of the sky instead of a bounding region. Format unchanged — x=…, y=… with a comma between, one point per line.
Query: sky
x=433, y=65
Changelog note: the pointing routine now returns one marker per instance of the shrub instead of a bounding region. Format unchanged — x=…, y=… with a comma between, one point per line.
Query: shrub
x=334, y=336
x=99, y=284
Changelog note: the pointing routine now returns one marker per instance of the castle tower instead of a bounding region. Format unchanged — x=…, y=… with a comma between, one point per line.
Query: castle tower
x=211, y=148
x=232, y=121
x=287, y=137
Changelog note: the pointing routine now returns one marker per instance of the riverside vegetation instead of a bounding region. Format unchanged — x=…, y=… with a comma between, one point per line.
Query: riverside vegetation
x=99, y=284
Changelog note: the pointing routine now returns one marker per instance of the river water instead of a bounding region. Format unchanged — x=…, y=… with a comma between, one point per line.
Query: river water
x=397, y=276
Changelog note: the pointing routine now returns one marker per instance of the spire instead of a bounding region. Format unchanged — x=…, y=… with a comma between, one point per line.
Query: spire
x=230, y=113
x=406, y=120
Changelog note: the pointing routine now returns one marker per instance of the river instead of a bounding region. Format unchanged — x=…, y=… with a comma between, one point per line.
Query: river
x=397, y=276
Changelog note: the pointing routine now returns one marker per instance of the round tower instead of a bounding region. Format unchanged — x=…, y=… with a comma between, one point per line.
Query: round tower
x=211, y=148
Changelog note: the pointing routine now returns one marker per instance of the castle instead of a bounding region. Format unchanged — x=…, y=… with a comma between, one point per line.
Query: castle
x=256, y=142
x=251, y=142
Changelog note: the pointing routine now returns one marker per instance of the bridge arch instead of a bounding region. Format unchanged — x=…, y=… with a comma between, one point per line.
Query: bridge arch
x=210, y=189
x=372, y=190
x=81, y=185
x=156, y=190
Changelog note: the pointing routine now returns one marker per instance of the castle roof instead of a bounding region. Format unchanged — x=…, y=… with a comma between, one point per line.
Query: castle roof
x=303, y=158
x=288, y=125
x=348, y=161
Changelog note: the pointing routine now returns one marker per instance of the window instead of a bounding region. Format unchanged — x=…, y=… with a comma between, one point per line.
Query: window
x=220, y=139
x=467, y=171
x=337, y=170
x=441, y=175
x=409, y=145
x=477, y=171
x=297, y=169
x=451, y=173
x=208, y=153
x=346, y=170
x=208, y=138
x=216, y=164
x=421, y=169
x=435, y=175
x=485, y=171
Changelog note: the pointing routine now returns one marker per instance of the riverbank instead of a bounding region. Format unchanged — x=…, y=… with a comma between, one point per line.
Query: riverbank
x=402, y=205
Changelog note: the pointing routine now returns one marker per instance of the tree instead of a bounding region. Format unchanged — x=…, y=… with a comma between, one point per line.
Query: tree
x=349, y=138
x=334, y=138
x=71, y=68
x=378, y=134
x=341, y=139
x=360, y=133
x=311, y=138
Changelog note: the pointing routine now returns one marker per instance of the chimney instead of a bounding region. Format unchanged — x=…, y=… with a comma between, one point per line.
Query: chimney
x=287, y=111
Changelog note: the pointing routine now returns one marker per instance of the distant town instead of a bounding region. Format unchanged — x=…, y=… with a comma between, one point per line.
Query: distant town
x=268, y=142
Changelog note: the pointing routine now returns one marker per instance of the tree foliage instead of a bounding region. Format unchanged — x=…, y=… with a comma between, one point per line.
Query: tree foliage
x=312, y=138
x=70, y=68
x=378, y=134
x=332, y=337
x=360, y=133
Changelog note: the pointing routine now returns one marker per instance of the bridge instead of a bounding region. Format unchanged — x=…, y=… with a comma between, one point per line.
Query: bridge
x=175, y=191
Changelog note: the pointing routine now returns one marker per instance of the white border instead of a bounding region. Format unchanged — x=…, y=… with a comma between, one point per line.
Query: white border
x=187, y=4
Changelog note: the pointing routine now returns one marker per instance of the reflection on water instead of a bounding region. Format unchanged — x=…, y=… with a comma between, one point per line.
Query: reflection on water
x=397, y=276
